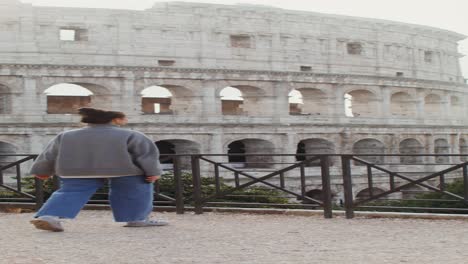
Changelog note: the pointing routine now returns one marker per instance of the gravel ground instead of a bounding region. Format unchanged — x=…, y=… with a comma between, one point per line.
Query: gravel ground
x=235, y=238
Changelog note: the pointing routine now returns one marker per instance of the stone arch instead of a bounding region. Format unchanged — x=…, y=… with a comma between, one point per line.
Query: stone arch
x=361, y=103
x=314, y=101
x=411, y=146
x=463, y=149
x=441, y=146
x=369, y=146
x=177, y=146
x=296, y=102
x=180, y=99
x=251, y=146
x=253, y=101
x=366, y=193
x=433, y=105
x=101, y=96
x=66, y=98
x=5, y=99
x=231, y=101
x=315, y=146
x=156, y=100
x=403, y=104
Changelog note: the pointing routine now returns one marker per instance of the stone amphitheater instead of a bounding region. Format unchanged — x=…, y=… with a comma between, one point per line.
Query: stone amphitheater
x=208, y=78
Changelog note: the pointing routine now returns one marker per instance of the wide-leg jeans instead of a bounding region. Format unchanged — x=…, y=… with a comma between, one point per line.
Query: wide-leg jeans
x=131, y=197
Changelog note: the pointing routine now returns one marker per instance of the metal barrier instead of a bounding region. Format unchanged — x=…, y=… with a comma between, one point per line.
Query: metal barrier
x=263, y=170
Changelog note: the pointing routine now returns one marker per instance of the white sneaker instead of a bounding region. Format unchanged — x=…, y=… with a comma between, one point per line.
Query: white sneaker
x=146, y=223
x=47, y=222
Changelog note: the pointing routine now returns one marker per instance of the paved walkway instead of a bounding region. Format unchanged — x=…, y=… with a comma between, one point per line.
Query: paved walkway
x=235, y=238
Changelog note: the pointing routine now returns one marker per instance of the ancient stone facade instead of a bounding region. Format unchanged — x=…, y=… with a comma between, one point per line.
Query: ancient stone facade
x=367, y=85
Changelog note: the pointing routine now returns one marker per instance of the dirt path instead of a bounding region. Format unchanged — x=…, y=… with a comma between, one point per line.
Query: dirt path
x=235, y=238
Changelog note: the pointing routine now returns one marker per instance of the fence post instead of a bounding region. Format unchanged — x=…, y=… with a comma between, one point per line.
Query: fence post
x=179, y=187
x=196, y=184
x=347, y=186
x=38, y=192
x=465, y=181
x=326, y=190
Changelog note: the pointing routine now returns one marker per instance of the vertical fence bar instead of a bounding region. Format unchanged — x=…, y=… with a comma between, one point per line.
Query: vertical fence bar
x=347, y=186
x=196, y=184
x=236, y=179
x=1, y=177
x=465, y=181
x=370, y=181
x=18, y=178
x=326, y=189
x=442, y=182
x=281, y=176
x=38, y=192
x=392, y=181
x=179, y=187
x=217, y=181
x=303, y=182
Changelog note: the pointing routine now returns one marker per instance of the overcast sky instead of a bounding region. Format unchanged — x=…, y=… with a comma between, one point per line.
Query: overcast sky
x=446, y=14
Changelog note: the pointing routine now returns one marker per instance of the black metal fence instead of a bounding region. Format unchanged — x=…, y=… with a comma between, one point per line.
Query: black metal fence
x=200, y=181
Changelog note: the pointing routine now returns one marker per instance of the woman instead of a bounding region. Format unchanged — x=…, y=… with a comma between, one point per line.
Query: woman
x=85, y=158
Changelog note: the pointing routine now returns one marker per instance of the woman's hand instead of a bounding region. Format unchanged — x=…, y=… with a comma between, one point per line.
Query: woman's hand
x=42, y=177
x=152, y=179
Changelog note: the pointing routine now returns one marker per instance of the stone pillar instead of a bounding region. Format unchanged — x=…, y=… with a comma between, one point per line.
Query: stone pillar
x=130, y=101
x=339, y=106
x=394, y=145
x=34, y=103
x=455, y=147
x=446, y=109
x=429, y=148
x=385, y=108
x=211, y=102
x=280, y=102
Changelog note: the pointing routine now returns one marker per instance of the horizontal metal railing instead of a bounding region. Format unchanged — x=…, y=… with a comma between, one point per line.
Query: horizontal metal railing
x=278, y=172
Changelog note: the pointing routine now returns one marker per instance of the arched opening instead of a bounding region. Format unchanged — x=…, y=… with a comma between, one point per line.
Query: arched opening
x=66, y=98
x=402, y=104
x=236, y=147
x=177, y=146
x=315, y=194
x=433, y=105
x=156, y=100
x=413, y=147
x=456, y=106
x=360, y=103
x=251, y=146
x=368, y=192
x=369, y=146
x=165, y=148
x=314, y=101
x=231, y=101
x=5, y=100
x=315, y=146
x=441, y=146
x=295, y=102
x=463, y=150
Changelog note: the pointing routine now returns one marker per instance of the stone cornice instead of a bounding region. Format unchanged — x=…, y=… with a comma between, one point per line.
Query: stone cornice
x=123, y=71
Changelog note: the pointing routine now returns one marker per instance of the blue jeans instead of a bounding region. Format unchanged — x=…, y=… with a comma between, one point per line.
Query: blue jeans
x=131, y=197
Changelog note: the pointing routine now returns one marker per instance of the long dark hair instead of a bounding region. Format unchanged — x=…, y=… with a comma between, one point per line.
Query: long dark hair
x=98, y=116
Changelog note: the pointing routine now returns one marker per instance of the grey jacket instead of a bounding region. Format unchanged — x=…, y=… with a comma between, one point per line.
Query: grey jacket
x=99, y=151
